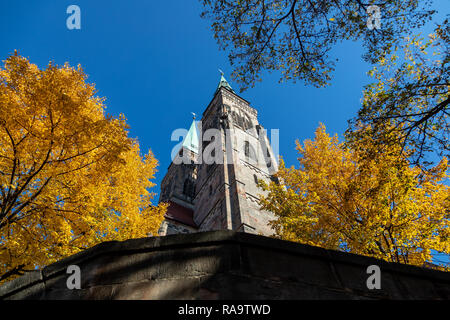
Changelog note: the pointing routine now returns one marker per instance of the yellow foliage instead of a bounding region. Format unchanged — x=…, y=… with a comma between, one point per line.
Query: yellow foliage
x=70, y=177
x=363, y=200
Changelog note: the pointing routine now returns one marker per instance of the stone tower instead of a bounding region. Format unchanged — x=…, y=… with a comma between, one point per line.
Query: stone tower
x=178, y=187
x=233, y=153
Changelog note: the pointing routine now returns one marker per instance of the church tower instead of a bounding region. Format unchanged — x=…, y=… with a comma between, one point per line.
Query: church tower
x=178, y=187
x=233, y=154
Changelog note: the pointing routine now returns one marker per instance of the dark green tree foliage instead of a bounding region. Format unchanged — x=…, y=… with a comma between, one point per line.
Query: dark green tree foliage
x=295, y=36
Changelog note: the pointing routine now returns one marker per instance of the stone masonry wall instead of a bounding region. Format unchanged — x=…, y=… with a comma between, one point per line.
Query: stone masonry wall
x=224, y=265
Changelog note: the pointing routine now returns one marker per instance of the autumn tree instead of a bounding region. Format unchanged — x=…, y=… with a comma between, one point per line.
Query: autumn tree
x=380, y=206
x=70, y=175
x=296, y=36
x=409, y=99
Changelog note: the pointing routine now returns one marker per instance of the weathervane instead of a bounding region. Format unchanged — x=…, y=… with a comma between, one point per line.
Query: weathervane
x=193, y=115
x=221, y=72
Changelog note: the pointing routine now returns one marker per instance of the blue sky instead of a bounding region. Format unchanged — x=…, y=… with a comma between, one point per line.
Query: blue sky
x=157, y=61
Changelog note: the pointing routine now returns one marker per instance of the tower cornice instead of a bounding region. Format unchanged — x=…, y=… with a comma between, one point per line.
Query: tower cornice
x=230, y=95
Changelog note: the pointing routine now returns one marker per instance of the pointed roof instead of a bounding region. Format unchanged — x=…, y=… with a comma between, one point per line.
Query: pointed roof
x=191, y=140
x=224, y=83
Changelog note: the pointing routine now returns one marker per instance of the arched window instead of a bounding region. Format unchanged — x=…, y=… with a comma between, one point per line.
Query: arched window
x=213, y=151
x=247, y=122
x=268, y=160
x=249, y=151
x=188, y=188
x=241, y=119
x=247, y=148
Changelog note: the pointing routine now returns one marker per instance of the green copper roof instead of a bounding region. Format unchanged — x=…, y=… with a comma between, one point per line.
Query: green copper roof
x=191, y=140
x=224, y=83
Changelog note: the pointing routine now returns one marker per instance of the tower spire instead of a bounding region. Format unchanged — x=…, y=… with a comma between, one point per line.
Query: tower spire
x=223, y=82
x=191, y=140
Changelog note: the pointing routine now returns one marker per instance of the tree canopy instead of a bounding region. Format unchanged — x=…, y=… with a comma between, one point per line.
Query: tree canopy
x=339, y=198
x=295, y=36
x=70, y=177
x=410, y=97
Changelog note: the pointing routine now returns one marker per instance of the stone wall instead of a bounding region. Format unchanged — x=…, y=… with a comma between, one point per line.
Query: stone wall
x=224, y=265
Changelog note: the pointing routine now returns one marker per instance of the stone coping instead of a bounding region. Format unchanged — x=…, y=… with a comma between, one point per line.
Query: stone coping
x=216, y=238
